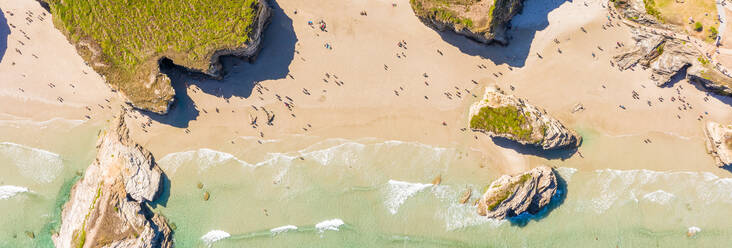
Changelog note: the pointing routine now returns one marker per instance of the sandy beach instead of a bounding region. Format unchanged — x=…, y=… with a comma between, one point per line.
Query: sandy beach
x=216, y=113
x=351, y=124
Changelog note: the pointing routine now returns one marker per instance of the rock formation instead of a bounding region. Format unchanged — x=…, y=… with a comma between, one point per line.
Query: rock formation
x=667, y=57
x=507, y=116
x=666, y=51
x=132, y=65
x=719, y=142
x=483, y=21
x=509, y=196
x=108, y=206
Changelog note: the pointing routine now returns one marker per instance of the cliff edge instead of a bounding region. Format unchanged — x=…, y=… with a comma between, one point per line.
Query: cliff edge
x=125, y=41
x=108, y=207
x=484, y=21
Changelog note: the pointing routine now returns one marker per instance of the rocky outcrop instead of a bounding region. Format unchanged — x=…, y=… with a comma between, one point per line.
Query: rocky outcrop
x=108, y=207
x=507, y=116
x=509, y=196
x=483, y=21
x=635, y=10
x=719, y=142
x=667, y=57
x=142, y=84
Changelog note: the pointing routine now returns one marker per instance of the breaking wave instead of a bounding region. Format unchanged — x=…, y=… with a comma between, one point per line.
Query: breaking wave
x=398, y=192
x=329, y=225
x=8, y=191
x=204, y=158
x=621, y=186
x=278, y=230
x=659, y=196
x=40, y=165
x=213, y=236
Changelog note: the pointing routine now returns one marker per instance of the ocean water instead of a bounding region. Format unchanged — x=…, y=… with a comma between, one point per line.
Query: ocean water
x=370, y=193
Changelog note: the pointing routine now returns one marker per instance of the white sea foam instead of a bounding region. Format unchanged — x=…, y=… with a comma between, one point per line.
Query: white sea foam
x=566, y=172
x=213, y=236
x=458, y=216
x=619, y=186
x=659, y=196
x=21, y=121
x=204, y=158
x=40, y=165
x=7, y=191
x=329, y=225
x=278, y=230
x=693, y=230
x=345, y=154
x=398, y=192
x=264, y=141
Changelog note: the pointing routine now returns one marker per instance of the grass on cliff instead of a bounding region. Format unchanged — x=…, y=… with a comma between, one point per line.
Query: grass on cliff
x=678, y=13
x=503, y=195
x=447, y=11
x=130, y=36
x=499, y=120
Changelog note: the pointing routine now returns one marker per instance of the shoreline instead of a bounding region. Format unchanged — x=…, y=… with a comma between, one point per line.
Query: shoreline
x=365, y=105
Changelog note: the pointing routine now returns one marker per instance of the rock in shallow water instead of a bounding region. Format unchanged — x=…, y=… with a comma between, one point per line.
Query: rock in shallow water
x=509, y=196
x=108, y=206
x=507, y=116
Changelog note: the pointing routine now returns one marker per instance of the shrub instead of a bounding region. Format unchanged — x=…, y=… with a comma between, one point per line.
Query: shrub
x=713, y=32
x=698, y=26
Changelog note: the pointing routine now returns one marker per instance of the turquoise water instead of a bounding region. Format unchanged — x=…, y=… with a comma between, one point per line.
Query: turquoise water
x=375, y=193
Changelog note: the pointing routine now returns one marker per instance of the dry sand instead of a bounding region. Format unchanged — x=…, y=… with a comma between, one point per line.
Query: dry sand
x=365, y=106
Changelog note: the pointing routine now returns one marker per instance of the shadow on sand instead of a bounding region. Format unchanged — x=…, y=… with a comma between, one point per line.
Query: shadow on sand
x=272, y=62
x=523, y=219
x=533, y=17
x=561, y=154
x=681, y=75
x=4, y=32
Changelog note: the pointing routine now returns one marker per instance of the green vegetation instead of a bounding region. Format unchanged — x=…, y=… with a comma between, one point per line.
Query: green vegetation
x=124, y=40
x=503, y=195
x=651, y=9
x=659, y=49
x=702, y=60
x=698, y=26
x=458, y=12
x=450, y=16
x=80, y=238
x=713, y=33
x=506, y=120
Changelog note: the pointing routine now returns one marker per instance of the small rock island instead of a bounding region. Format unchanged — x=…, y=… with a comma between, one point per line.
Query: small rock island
x=509, y=196
x=126, y=41
x=507, y=116
x=108, y=206
x=483, y=21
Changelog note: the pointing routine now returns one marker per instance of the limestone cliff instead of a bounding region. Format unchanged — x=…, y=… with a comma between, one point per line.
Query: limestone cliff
x=667, y=56
x=509, y=196
x=484, y=21
x=108, y=207
x=719, y=142
x=507, y=116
